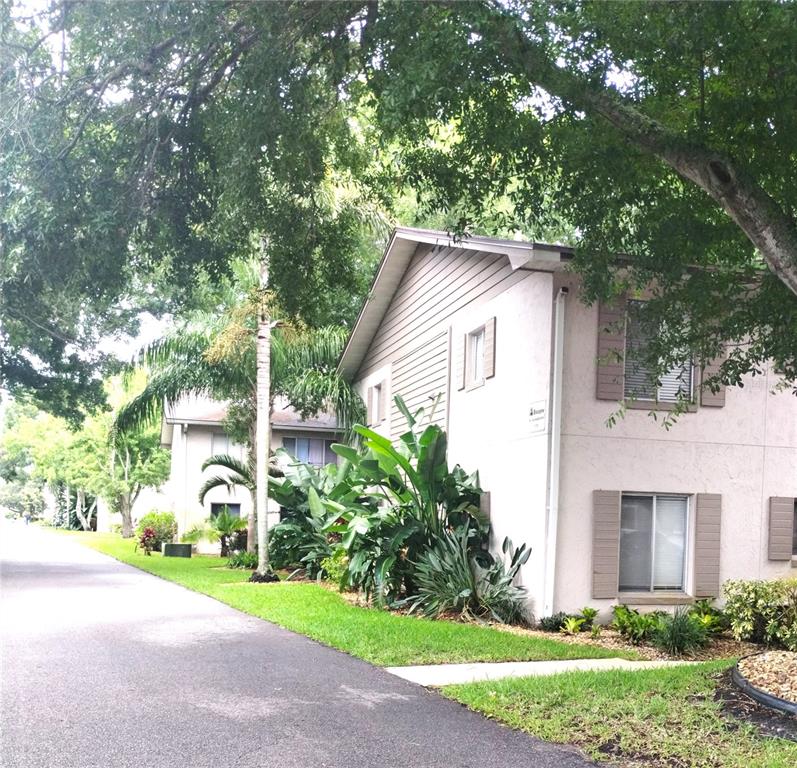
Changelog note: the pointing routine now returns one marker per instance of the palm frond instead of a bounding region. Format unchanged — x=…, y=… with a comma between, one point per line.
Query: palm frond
x=220, y=482
x=313, y=391
x=241, y=468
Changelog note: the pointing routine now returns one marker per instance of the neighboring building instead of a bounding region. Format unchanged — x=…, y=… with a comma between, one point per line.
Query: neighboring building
x=193, y=430
x=527, y=377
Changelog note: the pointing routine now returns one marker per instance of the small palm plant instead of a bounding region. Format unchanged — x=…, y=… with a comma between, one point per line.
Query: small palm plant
x=221, y=527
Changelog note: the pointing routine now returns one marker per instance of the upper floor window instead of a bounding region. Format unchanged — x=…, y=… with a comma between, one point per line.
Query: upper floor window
x=652, y=542
x=476, y=357
x=310, y=450
x=220, y=443
x=376, y=402
x=640, y=380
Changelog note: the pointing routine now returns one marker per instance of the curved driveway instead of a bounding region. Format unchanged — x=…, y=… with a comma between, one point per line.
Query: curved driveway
x=106, y=666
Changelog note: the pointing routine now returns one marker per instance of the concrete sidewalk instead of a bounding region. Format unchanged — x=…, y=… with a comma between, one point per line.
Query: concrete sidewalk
x=104, y=666
x=436, y=675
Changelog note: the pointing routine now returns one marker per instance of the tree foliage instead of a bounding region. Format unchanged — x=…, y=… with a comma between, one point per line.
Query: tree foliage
x=661, y=132
x=144, y=143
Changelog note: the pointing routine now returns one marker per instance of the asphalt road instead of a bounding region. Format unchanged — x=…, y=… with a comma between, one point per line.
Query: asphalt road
x=106, y=666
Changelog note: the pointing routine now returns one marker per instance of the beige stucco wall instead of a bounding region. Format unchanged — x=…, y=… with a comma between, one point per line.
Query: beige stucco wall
x=746, y=451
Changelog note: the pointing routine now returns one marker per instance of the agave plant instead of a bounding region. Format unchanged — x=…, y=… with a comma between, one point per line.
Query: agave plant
x=451, y=581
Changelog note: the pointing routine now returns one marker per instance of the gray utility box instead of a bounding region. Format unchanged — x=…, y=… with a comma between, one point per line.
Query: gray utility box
x=176, y=550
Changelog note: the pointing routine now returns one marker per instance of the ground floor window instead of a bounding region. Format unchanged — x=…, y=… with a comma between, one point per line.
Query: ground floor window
x=310, y=450
x=234, y=510
x=653, y=542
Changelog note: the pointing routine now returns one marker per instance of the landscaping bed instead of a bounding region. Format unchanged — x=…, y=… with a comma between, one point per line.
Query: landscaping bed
x=721, y=647
x=773, y=672
x=738, y=706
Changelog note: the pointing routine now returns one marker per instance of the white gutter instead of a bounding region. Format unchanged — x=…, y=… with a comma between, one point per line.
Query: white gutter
x=555, y=401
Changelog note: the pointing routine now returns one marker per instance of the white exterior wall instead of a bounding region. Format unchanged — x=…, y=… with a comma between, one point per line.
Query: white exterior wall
x=490, y=428
x=191, y=446
x=746, y=451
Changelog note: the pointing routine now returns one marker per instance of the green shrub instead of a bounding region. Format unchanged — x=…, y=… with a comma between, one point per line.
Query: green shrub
x=223, y=527
x=633, y=625
x=247, y=560
x=401, y=499
x=680, y=633
x=589, y=615
x=336, y=567
x=763, y=611
x=162, y=523
x=553, y=623
x=572, y=625
x=449, y=579
x=713, y=619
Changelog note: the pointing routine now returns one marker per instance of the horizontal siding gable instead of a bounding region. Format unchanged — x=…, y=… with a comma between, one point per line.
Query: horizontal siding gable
x=438, y=283
x=420, y=377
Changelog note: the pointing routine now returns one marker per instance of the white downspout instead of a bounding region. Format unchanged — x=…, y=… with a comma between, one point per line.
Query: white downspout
x=555, y=443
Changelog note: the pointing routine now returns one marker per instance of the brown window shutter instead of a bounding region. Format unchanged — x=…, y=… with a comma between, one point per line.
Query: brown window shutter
x=781, y=527
x=605, y=543
x=489, y=348
x=382, y=415
x=708, y=524
x=611, y=350
x=707, y=397
x=459, y=361
x=369, y=406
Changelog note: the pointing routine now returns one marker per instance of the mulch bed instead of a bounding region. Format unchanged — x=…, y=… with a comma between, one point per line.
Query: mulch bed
x=737, y=706
x=774, y=672
x=721, y=647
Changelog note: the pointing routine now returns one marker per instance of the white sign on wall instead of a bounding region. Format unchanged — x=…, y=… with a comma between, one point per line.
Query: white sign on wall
x=538, y=416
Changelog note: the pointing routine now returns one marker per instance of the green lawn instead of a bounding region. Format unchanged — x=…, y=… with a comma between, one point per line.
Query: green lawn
x=658, y=718
x=381, y=637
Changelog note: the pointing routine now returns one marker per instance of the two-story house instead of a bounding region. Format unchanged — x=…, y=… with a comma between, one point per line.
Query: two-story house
x=527, y=376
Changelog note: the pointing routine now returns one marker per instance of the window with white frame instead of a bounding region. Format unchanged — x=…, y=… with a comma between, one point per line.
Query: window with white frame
x=220, y=443
x=310, y=450
x=653, y=539
x=475, y=357
x=640, y=380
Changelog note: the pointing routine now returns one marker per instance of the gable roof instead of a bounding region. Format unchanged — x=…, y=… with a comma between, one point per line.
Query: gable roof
x=395, y=260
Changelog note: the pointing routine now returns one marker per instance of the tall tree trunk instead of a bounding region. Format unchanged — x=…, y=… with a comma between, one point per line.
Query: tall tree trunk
x=262, y=426
x=251, y=528
x=125, y=510
x=67, y=502
x=80, y=505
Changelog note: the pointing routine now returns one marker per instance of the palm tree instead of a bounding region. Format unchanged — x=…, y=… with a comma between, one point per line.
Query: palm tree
x=213, y=353
x=222, y=527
